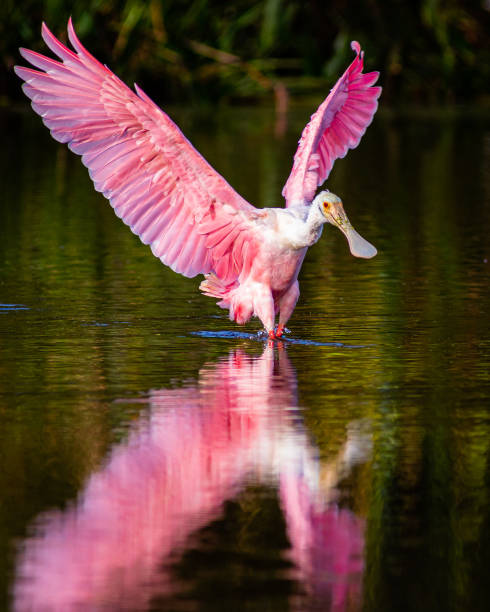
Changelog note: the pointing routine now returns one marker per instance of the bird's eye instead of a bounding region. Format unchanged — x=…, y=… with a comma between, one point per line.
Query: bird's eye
x=326, y=205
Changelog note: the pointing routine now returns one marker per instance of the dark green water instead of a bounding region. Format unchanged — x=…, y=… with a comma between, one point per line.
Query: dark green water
x=149, y=461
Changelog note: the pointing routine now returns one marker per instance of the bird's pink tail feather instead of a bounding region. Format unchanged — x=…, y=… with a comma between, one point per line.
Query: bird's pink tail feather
x=230, y=297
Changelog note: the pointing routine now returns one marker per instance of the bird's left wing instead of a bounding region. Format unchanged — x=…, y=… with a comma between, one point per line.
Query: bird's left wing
x=336, y=126
x=194, y=221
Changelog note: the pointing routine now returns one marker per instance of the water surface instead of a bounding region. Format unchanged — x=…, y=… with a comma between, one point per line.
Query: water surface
x=156, y=457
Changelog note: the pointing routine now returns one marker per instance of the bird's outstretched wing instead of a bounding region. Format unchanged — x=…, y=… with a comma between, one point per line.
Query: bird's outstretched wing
x=336, y=127
x=156, y=181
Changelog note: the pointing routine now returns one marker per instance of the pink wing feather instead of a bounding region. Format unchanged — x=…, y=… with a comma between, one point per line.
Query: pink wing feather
x=139, y=159
x=337, y=126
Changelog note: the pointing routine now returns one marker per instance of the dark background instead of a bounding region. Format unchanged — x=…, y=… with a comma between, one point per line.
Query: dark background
x=428, y=51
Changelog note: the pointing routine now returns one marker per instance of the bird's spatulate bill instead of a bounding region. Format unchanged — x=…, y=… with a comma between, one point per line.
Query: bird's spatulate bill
x=359, y=247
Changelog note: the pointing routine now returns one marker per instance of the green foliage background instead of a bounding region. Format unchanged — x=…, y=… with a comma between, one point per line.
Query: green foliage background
x=428, y=51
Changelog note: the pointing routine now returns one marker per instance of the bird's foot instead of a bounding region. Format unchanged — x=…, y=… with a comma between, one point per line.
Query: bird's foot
x=278, y=332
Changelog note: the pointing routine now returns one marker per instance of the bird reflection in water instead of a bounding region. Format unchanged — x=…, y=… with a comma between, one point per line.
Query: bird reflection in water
x=198, y=447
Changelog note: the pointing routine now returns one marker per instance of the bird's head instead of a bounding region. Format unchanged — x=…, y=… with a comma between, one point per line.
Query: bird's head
x=333, y=211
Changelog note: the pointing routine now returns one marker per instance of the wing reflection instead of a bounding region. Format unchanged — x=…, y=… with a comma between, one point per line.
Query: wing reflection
x=199, y=446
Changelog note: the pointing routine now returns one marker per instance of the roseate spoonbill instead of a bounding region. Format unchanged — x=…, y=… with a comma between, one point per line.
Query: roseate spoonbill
x=167, y=193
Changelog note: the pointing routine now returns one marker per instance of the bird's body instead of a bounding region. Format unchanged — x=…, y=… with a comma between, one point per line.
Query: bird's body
x=270, y=286
x=178, y=204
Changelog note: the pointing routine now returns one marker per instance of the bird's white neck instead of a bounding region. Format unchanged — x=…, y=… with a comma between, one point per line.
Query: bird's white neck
x=313, y=224
x=315, y=218
x=311, y=229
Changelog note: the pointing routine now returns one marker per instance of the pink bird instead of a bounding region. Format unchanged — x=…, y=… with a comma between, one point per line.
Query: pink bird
x=170, y=197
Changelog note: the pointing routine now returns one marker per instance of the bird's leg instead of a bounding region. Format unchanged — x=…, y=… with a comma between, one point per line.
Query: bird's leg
x=286, y=307
x=264, y=308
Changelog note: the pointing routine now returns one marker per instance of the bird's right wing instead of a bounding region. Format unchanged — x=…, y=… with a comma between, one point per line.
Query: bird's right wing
x=160, y=186
x=337, y=126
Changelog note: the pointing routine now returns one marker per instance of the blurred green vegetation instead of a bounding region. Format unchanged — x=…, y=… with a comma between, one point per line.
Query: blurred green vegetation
x=428, y=51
